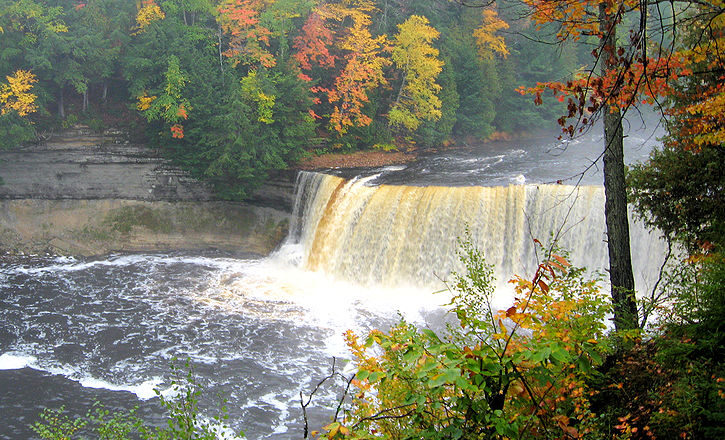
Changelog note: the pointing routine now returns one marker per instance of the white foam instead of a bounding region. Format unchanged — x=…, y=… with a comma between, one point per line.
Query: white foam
x=9, y=361
x=394, y=168
x=281, y=407
x=72, y=265
x=144, y=391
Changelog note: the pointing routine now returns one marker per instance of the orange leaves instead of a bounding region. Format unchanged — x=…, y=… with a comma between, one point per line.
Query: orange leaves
x=325, y=42
x=170, y=106
x=181, y=112
x=177, y=131
x=238, y=15
x=629, y=77
x=313, y=44
x=622, y=86
x=363, y=72
x=705, y=119
x=487, y=40
x=15, y=95
x=249, y=40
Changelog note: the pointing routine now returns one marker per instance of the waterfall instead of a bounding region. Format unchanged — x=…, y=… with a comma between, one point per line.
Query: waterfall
x=405, y=235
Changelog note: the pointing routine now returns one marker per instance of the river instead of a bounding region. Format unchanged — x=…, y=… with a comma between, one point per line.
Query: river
x=361, y=252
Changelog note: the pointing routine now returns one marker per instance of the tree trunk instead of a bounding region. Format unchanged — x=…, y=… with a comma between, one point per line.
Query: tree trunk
x=85, y=100
x=221, y=62
x=61, y=104
x=105, y=91
x=615, y=191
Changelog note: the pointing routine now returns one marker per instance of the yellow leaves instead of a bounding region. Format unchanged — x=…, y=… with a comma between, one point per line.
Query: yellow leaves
x=414, y=54
x=363, y=72
x=486, y=39
x=148, y=13
x=144, y=102
x=252, y=88
x=15, y=95
x=709, y=115
x=357, y=10
x=335, y=428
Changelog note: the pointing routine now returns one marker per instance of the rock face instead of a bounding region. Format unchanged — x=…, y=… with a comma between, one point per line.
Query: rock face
x=88, y=194
x=79, y=165
x=97, y=227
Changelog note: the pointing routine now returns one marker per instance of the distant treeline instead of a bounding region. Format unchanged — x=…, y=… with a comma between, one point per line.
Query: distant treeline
x=231, y=89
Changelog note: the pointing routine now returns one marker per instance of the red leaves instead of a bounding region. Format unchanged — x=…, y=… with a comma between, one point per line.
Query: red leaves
x=177, y=131
x=324, y=43
x=622, y=86
x=313, y=44
x=181, y=112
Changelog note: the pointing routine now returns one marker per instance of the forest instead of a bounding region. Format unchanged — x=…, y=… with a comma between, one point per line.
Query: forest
x=232, y=89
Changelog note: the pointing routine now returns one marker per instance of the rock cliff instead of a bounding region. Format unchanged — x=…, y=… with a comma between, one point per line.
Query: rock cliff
x=89, y=194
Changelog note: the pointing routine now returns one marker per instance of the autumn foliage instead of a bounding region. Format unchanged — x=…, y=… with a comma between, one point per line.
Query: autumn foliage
x=647, y=68
x=15, y=95
x=147, y=14
x=249, y=38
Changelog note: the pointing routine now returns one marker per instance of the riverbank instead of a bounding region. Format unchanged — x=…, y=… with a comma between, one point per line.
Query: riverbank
x=357, y=159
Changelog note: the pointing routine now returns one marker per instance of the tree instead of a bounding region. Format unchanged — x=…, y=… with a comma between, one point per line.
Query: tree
x=15, y=95
x=261, y=125
x=170, y=106
x=414, y=54
x=249, y=38
x=517, y=373
x=487, y=38
x=362, y=73
x=147, y=14
x=337, y=43
x=16, y=102
x=622, y=76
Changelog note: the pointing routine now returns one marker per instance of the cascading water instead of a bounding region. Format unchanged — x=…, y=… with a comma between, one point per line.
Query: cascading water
x=261, y=330
x=405, y=235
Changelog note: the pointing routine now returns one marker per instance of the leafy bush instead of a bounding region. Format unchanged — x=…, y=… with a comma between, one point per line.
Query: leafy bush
x=516, y=373
x=680, y=192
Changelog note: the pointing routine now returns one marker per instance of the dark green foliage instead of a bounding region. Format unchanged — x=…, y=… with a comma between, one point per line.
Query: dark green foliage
x=476, y=85
x=236, y=149
x=682, y=193
x=14, y=130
